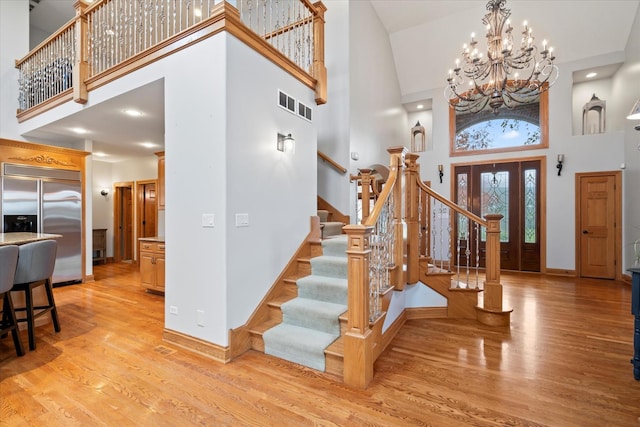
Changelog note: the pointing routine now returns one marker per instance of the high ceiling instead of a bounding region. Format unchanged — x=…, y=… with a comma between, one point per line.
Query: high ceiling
x=425, y=35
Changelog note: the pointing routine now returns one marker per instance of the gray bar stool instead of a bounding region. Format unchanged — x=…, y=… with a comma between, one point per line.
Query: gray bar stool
x=8, y=322
x=35, y=267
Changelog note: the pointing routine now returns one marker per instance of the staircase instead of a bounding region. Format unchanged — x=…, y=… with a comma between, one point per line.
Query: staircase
x=329, y=227
x=304, y=327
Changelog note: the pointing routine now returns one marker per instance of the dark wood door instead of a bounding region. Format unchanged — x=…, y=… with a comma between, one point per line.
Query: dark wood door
x=149, y=210
x=512, y=190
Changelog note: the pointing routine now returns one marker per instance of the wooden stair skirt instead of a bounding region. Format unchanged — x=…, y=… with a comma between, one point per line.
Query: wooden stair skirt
x=462, y=303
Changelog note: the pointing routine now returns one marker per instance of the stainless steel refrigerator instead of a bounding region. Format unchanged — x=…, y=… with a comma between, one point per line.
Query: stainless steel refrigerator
x=46, y=200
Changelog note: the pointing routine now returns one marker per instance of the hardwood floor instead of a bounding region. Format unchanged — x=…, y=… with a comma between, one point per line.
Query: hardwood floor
x=563, y=362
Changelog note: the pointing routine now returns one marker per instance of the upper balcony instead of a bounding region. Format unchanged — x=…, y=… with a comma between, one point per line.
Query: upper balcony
x=108, y=39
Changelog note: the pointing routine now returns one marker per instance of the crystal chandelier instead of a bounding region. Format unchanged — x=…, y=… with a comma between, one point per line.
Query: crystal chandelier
x=508, y=75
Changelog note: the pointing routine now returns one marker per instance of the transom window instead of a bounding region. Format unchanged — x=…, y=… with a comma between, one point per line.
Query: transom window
x=524, y=127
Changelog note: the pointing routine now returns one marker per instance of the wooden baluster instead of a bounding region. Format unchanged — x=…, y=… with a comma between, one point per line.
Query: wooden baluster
x=80, y=66
x=493, y=288
x=319, y=71
x=412, y=201
x=358, y=339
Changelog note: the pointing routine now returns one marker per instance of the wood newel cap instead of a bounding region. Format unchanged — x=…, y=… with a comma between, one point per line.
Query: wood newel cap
x=493, y=217
x=320, y=9
x=397, y=150
x=411, y=157
x=364, y=171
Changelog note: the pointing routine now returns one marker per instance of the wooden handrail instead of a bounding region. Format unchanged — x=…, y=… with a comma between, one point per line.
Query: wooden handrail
x=48, y=40
x=332, y=162
x=451, y=205
x=382, y=198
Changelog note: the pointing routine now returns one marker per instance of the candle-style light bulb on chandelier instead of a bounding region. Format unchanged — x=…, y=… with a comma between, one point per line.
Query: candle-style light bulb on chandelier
x=508, y=75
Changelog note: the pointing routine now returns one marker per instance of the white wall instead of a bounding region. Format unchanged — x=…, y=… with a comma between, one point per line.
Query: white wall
x=626, y=89
x=377, y=119
x=277, y=190
x=332, y=118
x=14, y=42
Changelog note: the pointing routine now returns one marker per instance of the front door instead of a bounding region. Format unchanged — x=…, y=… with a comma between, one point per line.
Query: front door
x=597, y=225
x=512, y=190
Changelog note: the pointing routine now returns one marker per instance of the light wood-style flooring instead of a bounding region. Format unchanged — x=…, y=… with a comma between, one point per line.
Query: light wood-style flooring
x=563, y=362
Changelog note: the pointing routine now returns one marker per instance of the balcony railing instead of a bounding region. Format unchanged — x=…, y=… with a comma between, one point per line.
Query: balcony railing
x=111, y=38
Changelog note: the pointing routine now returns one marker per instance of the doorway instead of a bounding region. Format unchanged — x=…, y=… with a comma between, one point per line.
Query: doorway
x=512, y=189
x=598, y=214
x=147, y=211
x=123, y=221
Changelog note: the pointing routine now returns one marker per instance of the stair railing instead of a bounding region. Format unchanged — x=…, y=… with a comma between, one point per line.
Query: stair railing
x=110, y=38
x=375, y=254
x=444, y=218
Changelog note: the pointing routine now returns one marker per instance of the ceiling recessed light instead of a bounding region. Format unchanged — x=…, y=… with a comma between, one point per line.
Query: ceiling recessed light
x=148, y=144
x=133, y=113
x=420, y=106
x=99, y=154
x=79, y=131
x=591, y=75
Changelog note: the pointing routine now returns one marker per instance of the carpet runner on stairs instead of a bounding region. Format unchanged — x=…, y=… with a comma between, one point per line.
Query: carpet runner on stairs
x=330, y=228
x=310, y=322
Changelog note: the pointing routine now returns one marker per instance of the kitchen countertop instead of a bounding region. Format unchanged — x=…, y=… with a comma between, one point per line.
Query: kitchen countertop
x=152, y=239
x=20, y=238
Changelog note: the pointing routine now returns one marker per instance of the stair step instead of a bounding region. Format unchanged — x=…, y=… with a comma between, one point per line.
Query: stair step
x=298, y=344
x=257, y=342
x=335, y=246
x=331, y=266
x=323, y=288
x=331, y=228
x=309, y=313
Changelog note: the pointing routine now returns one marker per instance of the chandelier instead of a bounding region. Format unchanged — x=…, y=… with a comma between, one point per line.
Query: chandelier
x=509, y=74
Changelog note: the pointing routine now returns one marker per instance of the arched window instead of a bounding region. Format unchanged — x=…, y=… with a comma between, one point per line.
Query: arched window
x=524, y=127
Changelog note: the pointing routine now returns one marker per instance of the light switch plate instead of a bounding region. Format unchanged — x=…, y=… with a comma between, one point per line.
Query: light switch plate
x=242, y=220
x=208, y=220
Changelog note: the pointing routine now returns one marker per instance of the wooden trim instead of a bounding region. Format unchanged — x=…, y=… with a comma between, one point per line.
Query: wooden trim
x=45, y=106
x=426, y=313
x=332, y=162
x=618, y=220
x=626, y=279
x=560, y=272
x=197, y=345
x=117, y=206
x=336, y=215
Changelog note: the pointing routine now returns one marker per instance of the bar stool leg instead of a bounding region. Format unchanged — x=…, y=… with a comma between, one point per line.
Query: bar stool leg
x=31, y=327
x=9, y=316
x=52, y=304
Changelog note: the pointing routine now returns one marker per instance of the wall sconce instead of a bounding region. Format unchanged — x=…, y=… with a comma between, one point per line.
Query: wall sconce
x=286, y=143
x=104, y=192
x=635, y=114
x=440, y=172
x=560, y=161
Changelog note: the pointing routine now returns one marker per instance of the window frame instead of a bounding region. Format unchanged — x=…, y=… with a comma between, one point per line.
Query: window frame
x=544, y=133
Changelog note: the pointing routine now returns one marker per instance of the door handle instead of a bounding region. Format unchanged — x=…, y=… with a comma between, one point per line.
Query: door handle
x=585, y=232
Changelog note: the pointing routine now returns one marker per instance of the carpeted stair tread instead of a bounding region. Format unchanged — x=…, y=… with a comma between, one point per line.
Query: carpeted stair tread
x=323, y=288
x=313, y=314
x=332, y=228
x=297, y=344
x=335, y=246
x=328, y=265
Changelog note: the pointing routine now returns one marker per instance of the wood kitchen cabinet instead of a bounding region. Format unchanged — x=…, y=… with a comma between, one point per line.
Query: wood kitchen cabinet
x=151, y=258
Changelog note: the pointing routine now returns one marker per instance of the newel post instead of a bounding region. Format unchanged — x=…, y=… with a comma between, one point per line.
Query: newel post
x=80, y=66
x=358, y=339
x=396, y=278
x=493, y=288
x=319, y=70
x=365, y=196
x=412, y=200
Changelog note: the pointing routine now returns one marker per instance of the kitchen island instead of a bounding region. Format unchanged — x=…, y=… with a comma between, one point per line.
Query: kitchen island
x=151, y=258
x=20, y=238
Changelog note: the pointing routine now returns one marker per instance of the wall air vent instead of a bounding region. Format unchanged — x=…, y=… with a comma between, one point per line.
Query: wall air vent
x=304, y=111
x=286, y=102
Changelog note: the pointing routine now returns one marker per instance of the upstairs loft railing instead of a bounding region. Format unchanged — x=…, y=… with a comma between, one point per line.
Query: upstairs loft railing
x=110, y=38
x=411, y=224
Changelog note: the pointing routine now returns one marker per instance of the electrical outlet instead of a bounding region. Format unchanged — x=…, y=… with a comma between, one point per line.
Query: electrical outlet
x=242, y=220
x=200, y=317
x=208, y=220
x=173, y=309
